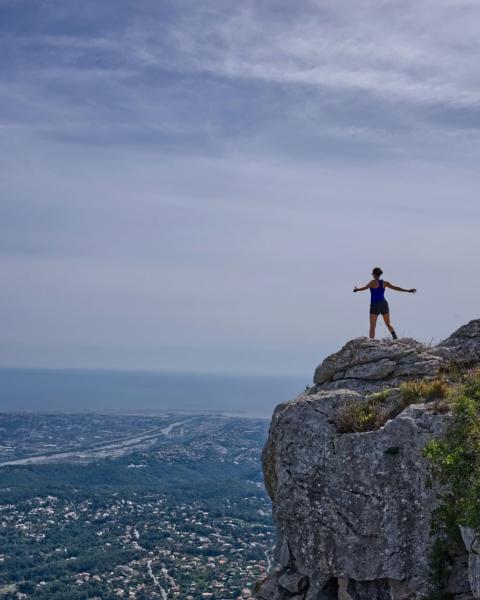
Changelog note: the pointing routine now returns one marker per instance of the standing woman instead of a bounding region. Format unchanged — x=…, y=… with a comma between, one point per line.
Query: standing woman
x=378, y=304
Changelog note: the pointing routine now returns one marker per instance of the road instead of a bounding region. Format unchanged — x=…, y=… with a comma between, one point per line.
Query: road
x=113, y=449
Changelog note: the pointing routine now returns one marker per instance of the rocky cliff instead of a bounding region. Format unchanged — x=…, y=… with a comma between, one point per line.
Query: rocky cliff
x=353, y=507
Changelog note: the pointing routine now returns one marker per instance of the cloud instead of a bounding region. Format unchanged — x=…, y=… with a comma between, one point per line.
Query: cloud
x=421, y=53
x=402, y=53
x=199, y=185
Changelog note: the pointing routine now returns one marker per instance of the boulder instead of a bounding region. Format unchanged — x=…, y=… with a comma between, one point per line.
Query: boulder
x=371, y=365
x=463, y=346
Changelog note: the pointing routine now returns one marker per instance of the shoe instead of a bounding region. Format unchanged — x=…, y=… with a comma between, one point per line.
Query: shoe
x=394, y=335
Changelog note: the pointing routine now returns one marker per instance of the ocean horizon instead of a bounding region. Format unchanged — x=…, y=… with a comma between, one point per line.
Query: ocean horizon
x=83, y=390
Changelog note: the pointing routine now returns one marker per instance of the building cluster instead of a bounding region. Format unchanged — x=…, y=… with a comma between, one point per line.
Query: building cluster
x=162, y=506
x=146, y=547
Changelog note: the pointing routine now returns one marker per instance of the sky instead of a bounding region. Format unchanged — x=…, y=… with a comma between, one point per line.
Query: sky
x=198, y=186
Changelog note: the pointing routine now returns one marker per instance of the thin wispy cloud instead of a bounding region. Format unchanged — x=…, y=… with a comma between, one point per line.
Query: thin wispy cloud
x=397, y=53
x=423, y=51
x=198, y=186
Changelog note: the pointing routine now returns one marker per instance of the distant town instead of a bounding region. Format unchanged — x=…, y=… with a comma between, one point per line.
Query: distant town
x=100, y=507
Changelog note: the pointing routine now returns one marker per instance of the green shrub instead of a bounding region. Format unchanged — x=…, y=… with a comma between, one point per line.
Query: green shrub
x=455, y=462
x=456, y=457
x=471, y=385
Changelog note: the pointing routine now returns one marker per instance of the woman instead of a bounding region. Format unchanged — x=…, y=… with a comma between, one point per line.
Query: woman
x=378, y=304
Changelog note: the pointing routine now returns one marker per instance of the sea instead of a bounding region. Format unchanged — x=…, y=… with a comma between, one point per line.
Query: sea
x=65, y=390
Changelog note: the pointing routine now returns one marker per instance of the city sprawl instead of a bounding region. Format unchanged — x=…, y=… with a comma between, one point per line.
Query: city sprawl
x=132, y=506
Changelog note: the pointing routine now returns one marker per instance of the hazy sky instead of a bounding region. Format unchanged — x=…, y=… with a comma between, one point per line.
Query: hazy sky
x=198, y=185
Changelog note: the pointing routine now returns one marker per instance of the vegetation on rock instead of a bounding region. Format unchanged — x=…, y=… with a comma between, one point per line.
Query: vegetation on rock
x=455, y=460
x=424, y=390
x=356, y=417
x=359, y=416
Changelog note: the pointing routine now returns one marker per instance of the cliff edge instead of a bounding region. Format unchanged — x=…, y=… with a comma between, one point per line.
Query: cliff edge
x=351, y=488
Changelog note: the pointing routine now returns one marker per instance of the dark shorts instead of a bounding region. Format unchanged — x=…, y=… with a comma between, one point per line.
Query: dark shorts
x=379, y=308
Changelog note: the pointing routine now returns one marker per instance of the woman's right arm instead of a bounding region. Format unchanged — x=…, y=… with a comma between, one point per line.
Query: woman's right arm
x=361, y=289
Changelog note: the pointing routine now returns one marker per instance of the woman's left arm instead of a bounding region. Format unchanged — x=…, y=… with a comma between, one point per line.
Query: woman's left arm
x=399, y=289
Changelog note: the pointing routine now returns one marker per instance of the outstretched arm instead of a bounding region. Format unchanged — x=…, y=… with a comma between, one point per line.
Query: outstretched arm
x=361, y=289
x=399, y=289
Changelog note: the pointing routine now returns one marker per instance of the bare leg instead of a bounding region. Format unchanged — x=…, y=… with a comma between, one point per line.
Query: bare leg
x=386, y=318
x=373, y=324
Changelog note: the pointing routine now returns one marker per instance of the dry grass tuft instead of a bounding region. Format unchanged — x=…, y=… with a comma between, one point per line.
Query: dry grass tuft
x=412, y=392
x=355, y=417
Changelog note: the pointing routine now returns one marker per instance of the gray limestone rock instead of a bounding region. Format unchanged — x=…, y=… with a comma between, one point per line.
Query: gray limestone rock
x=353, y=510
x=463, y=346
x=370, y=365
x=346, y=505
x=361, y=351
x=379, y=369
x=472, y=544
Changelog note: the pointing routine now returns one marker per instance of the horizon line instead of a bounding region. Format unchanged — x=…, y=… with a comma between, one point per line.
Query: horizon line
x=140, y=371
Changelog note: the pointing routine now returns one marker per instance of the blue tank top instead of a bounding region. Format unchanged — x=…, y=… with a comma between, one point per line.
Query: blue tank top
x=378, y=293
